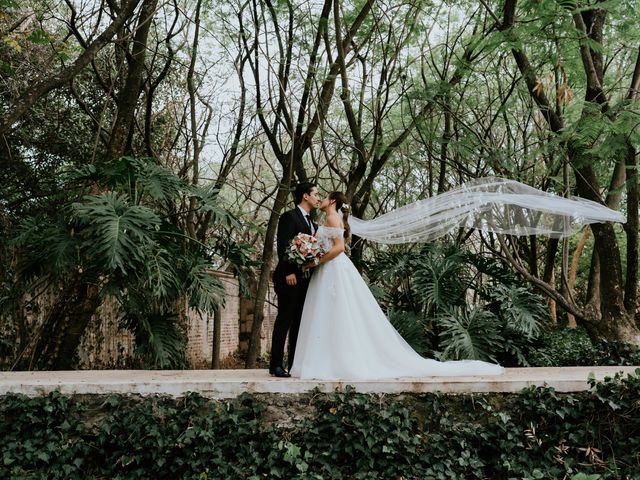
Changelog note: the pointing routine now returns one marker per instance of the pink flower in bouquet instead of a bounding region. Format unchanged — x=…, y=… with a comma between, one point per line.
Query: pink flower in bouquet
x=304, y=249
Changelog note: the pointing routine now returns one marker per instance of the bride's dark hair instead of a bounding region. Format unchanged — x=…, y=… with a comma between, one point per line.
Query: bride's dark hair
x=342, y=206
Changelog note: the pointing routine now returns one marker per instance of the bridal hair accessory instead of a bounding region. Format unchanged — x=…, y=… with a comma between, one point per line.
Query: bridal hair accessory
x=345, y=206
x=489, y=204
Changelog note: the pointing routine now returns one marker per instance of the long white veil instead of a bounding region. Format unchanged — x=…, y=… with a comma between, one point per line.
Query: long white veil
x=489, y=204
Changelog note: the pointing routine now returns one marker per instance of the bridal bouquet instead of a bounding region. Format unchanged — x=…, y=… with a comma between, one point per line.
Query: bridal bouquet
x=304, y=249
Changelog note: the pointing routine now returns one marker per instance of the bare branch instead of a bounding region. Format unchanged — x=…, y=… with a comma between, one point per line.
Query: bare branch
x=21, y=106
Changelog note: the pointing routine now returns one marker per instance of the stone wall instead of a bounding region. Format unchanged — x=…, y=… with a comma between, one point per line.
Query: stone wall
x=107, y=345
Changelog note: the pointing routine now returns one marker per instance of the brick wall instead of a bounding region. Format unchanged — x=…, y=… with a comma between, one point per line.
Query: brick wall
x=106, y=345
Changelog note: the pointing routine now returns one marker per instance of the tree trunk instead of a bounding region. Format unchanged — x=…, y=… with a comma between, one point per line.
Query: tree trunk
x=575, y=260
x=265, y=271
x=215, y=349
x=55, y=344
x=128, y=96
x=631, y=230
x=613, y=320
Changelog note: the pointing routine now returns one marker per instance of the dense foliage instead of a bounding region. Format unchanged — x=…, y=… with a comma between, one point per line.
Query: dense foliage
x=114, y=227
x=537, y=433
x=451, y=303
x=561, y=347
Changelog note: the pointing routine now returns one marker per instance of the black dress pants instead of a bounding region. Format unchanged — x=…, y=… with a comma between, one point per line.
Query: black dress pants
x=290, y=305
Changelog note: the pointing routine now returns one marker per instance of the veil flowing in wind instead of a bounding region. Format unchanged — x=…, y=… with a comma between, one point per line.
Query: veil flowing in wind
x=489, y=204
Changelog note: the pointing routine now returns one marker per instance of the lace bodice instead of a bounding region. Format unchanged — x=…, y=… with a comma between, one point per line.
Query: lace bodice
x=326, y=234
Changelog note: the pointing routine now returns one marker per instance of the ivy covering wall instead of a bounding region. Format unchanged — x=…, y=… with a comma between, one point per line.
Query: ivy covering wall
x=538, y=433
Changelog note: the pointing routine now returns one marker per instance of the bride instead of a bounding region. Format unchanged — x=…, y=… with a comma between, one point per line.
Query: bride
x=344, y=334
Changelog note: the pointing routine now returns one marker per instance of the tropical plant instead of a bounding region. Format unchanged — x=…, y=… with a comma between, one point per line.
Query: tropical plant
x=125, y=242
x=469, y=332
x=462, y=304
x=412, y=327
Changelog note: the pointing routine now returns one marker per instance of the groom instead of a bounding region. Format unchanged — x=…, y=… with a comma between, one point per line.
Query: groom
x=288, y=282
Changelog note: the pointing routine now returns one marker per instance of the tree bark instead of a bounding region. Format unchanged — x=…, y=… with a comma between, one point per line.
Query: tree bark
x=215, y=348
x=573, y=272
x=128, y=96
x=613, y=320
x=631, y=230
x=265, y=271
x=56, y=341
x=633, y=200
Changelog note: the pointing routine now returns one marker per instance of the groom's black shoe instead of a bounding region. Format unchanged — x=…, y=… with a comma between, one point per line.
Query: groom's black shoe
x=279, y=372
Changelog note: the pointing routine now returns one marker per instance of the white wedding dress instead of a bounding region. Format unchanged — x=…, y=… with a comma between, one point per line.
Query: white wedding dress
x=345, y=335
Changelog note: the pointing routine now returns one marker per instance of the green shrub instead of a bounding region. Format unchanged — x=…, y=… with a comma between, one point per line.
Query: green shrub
x=617, y=353
x=431, y=287
x=563, y=347
x=535, y=434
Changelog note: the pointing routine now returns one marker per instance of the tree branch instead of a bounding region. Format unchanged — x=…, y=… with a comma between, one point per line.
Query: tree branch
x=40, y=88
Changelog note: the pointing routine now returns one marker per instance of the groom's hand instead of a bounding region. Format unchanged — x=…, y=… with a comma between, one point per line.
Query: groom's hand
x=291, y=279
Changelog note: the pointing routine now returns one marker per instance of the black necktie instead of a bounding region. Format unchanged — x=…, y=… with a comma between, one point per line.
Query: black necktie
x=310, y=224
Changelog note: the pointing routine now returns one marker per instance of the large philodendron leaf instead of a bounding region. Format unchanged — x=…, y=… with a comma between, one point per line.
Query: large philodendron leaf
x=469, y=333
x=206, y=293
x=161, y=277
x=115, y=232
x=154, y=180
x=159, y=340
x=522, y=309
x=48, y=246
x=440, y=281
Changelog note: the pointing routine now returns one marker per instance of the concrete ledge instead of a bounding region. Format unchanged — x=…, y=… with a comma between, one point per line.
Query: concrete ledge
x=231, y=383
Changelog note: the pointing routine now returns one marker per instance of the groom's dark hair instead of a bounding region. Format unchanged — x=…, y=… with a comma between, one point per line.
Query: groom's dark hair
x=301, y=189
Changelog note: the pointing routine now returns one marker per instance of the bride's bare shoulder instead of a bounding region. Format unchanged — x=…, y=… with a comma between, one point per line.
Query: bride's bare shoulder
x=333, y=221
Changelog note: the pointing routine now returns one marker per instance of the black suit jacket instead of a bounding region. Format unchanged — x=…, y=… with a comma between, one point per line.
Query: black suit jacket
x=291, y=223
